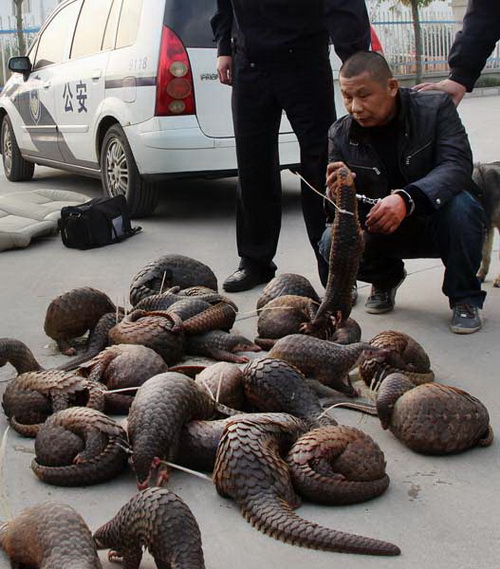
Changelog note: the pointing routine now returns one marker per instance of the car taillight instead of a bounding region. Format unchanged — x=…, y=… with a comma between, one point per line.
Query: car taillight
x=174, y=83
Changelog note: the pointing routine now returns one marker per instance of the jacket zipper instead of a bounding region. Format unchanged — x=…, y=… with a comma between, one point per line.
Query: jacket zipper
x=373, y=168
x=410, y=156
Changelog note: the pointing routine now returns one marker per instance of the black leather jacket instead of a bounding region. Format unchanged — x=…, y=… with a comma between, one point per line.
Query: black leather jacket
x=433, y=151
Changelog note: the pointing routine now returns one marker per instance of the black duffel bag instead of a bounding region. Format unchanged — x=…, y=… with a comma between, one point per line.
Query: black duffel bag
x=96, y=223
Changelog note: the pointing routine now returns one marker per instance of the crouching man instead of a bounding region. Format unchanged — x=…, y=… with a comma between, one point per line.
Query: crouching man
x=409, y=150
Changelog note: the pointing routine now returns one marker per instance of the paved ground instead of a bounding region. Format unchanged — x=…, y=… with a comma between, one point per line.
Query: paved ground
x=441, y=511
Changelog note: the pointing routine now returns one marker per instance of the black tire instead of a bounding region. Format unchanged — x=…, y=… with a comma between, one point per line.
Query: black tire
x=119, y=174
x=16, y=168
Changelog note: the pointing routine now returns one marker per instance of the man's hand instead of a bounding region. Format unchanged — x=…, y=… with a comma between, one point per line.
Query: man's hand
x=331, y=176
x=454, y=89
x=225, y=69
x=386, y=216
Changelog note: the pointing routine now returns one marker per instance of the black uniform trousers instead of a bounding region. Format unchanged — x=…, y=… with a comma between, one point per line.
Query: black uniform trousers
x=300, y=83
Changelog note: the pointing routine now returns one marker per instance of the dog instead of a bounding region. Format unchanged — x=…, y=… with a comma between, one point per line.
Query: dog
x=487, y=178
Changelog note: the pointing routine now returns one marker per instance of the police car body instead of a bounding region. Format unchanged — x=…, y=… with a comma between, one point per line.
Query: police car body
x=124, y=90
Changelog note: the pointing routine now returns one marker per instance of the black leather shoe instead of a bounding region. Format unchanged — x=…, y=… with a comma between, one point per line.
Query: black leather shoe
x=354, y=295
x=246, y=278
x=382, y=300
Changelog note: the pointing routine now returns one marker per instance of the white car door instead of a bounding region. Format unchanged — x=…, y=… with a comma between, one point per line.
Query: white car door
x=80, y=89
x=34, y=98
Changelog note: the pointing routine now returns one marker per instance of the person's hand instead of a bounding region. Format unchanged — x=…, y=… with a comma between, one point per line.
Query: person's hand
x=386, y=215
x=331, y=176
x=225, y=69
x=454, y=89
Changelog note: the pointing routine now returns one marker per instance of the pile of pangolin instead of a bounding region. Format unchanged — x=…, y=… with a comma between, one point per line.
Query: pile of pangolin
x=257, y=423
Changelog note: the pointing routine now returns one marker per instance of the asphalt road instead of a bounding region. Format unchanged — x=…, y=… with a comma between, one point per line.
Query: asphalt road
x=441, y=511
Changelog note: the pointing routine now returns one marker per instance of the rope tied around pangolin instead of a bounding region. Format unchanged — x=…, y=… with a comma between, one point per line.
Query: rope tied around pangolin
x=360, y=197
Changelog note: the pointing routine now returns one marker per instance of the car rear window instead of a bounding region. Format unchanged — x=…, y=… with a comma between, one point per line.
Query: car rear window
x=190, y=20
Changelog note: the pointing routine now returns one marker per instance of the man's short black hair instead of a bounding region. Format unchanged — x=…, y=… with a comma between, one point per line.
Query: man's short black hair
x=367, y=61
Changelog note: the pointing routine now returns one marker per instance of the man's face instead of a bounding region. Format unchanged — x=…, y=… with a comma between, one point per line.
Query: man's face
x=370, y=102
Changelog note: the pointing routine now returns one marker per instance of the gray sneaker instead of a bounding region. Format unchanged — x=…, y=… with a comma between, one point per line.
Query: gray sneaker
x=381, y=300
x=465, y=319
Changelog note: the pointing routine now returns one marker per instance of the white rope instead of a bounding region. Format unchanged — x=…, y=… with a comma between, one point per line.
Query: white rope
x=188, y=470
x=340, y=210
x=4, y=502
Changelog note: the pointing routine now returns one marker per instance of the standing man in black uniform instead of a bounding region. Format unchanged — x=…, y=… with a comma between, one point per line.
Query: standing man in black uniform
x=275, y=54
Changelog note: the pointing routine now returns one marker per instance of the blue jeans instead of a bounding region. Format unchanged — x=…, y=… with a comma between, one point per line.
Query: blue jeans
x=454, y=233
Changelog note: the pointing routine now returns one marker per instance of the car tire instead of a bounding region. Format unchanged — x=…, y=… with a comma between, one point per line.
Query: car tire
x=119, y=174
x=16, y=168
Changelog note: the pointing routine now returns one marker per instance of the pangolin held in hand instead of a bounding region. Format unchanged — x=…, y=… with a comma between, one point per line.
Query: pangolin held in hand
x=345, y=253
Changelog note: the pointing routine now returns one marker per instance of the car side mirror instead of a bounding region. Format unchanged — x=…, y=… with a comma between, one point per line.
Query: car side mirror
x=21, y=64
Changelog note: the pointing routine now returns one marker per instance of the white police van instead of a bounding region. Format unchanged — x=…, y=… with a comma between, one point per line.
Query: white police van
x=124, y=90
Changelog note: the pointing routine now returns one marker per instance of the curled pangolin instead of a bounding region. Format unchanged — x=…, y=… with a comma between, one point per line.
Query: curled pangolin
x=73, y=313
x=98, y=339
x=158, y=520
x=120, y=367
x=287, y=314
x=282, y=316
x=49, y=536
x=159, y=331
x=249, y=469
x=285, y=284
x=403, y=354
x=33, y=396
x=199, y=316
x=337, y=465
x=224, y=383
x=169, y=271
x=79, y=446
x=164, y=300
x=432, y=418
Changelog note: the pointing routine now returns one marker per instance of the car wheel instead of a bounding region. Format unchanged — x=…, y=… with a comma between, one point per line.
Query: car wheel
x=120, y=175
x=16, y=168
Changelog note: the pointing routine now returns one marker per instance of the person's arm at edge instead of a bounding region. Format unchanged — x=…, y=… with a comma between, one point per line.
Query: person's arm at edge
x=222, y=23
x=470, y=50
